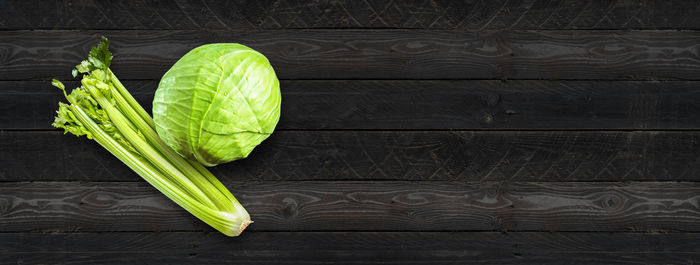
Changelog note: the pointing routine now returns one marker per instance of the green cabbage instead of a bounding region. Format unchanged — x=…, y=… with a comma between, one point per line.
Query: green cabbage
x=217, y=103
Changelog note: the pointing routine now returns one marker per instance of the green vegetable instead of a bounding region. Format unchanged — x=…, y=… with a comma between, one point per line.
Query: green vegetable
x=103, y=110
x=217, y=103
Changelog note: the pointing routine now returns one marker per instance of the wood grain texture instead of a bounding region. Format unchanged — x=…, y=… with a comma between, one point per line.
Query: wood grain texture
x=388, y=105
x=375, y=54
x=413, y=132
x=429, y=155
x=350, y=248
x=285, y=14
x=363, y=206
x=33, y=104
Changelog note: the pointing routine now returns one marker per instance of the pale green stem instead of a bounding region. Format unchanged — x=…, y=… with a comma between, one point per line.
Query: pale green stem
x=145, y=149
x=221, y=201
x=231, y=224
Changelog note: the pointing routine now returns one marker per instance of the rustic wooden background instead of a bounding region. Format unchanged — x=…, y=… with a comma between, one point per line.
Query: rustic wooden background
x=418, y=131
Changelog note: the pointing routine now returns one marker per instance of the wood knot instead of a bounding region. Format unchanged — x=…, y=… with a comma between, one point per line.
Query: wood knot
x=290, y=208
x=611, y=202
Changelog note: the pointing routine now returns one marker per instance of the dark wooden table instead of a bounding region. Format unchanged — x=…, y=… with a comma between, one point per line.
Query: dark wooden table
x=441, y=132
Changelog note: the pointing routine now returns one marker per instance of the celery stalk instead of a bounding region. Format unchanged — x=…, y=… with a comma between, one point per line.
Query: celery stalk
x=103, y=110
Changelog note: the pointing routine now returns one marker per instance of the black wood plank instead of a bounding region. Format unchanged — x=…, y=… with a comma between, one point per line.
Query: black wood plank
x=387, y=105
x=457, y=15
x=363, y=206
x=350, y=248
x=33, y=104
x=430, y=155
x=375, y=54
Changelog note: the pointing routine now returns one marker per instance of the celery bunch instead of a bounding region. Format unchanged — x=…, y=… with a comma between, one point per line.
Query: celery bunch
x=103, y=110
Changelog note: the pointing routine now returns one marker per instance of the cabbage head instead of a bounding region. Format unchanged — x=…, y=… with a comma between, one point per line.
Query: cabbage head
x=217, y=103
